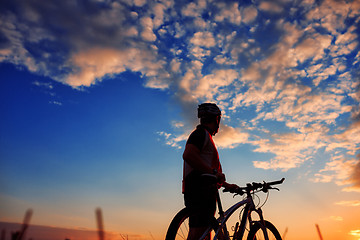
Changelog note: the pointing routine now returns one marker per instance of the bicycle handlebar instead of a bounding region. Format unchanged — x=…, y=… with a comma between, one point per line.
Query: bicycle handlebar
x=265, y=186
x=276, y=182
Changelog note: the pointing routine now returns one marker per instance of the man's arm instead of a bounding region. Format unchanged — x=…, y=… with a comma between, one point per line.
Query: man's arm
x=230, y=187
x=192, y=156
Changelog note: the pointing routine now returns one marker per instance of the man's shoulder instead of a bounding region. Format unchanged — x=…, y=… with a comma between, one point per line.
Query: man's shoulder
x=197, y=137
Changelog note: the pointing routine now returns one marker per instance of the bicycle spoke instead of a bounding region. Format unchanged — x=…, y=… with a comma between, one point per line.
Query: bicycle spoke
x=183, y=231
x=261, y=236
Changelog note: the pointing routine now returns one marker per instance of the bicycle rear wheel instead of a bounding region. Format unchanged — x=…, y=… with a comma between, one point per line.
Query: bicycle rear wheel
x=256, y=233
x=179, y=226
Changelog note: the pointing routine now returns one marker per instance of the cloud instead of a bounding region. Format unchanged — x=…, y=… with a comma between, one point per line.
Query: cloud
x=229, y=137
x=194, y=9
x=291, y=150
x=229, y=12
x=210, y=85
x=312, y=47
x=355, y=233
x=203, y=39
x=337, y=218
x=341, y=171
x=97, y=63
x=354, y=178
x=331, y=14
x=174, y=140
x=249, y=14
x=354, y=203
x=270, y=6
x=49, y=42
x=147, y=34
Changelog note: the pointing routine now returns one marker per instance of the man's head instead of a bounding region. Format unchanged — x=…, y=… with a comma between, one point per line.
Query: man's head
x=209, y=115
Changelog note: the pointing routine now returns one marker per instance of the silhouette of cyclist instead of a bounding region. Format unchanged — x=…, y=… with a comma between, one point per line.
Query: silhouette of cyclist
x=201, y=157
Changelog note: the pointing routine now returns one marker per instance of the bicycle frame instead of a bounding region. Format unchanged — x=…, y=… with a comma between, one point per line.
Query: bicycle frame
x=224, y=216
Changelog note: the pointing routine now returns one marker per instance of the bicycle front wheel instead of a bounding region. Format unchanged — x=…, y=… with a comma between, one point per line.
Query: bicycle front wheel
x=257, y=233
x=179, y=226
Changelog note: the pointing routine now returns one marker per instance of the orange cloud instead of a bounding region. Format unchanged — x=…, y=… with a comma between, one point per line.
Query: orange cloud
x=355, y=233
x=229, y=137
x=270, y=7
x=94, y=64
x=354, y=203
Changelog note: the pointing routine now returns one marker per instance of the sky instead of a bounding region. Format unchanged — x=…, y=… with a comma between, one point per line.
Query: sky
x=98, y=97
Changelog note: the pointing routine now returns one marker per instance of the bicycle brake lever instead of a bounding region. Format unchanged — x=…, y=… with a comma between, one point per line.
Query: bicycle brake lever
x=274, y=188
x=267, y=188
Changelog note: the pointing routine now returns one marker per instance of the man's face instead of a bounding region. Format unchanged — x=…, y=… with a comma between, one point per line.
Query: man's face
x=218, y=118
x=216, y=124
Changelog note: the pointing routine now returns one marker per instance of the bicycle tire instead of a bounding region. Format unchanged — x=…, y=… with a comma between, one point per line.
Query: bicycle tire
x=256, y=232
x=179, y=226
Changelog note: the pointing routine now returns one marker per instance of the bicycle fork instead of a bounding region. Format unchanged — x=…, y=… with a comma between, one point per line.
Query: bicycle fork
x=261, y=222
x=249, y=208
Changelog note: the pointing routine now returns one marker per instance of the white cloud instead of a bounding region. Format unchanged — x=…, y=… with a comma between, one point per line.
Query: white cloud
x=186, y=82
x=347, y=37
x=209, y=85
x=158, y=10
x=15, y=32
x=337, y=170
x=147, y=32
x=177, y=124
x=132, y=32
x=312, y=47
x=139, y=3
x=204, y=39
x=94, y=64
x=230, y=12
x=344, y=172
x=355, y=233
x=199, y=52
x=332, y=14
x=200, y=23
x=249, y=14
x=229, y=137
x=291, y=150
x=175, y=65
x=348, y=140
x=194, y=9
x=270, y=7
x=47, y=85
x=175, y=141
x=337, y=218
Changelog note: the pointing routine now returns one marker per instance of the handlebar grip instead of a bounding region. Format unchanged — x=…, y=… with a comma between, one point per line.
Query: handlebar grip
x=276, y=182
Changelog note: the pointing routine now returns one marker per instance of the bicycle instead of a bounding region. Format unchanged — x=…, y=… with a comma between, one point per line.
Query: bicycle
x=259, y=229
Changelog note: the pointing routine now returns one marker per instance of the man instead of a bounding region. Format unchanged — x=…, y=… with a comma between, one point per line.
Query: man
x=201, y=157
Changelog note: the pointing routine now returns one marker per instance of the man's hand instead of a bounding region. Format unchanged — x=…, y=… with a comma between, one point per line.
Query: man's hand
x=220, y=177
x=230, y=187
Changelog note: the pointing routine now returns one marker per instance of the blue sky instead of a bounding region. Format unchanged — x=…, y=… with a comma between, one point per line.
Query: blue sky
x=98, y=98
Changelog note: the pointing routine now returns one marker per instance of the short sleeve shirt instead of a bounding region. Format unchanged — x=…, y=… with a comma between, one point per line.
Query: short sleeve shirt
x=202, y=139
